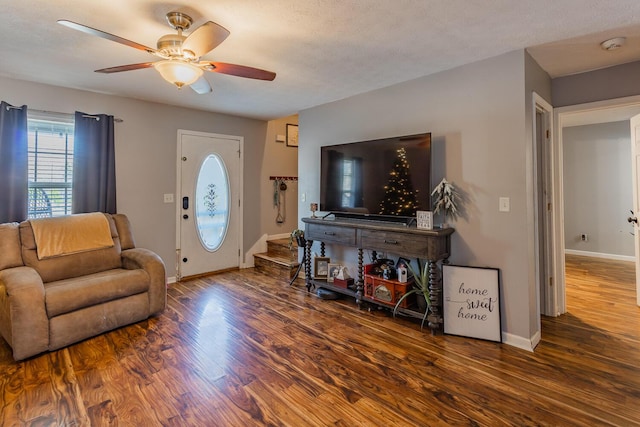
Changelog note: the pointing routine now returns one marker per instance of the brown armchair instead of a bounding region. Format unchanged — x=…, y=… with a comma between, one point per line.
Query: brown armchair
x=49, y=303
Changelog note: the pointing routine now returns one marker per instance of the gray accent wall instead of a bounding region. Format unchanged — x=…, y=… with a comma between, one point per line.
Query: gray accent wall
x=608, y=83
x=538, y=81
x=480, y=119
x=146, y=156
x=598, y=188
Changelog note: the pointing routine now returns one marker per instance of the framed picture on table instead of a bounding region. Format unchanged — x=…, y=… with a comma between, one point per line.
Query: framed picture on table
x=321, y=267
x=333, y=270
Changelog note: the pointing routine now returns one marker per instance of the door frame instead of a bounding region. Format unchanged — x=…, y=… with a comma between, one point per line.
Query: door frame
x=178, y=210
x=561, y=114
x=544, y=230
x=634, y=126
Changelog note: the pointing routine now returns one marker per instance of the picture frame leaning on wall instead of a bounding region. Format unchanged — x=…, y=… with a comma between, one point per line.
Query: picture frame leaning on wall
x=471, y=297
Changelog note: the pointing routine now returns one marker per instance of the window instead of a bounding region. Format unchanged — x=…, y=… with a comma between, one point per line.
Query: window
x=50, y=164
x=347, y=184
x=212, y=202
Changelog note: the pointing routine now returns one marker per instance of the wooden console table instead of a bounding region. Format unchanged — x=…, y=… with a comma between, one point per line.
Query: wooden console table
x=431, y=245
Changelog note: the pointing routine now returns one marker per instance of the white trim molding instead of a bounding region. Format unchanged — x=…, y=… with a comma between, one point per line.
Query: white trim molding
x=521, y=342
x=613, y=257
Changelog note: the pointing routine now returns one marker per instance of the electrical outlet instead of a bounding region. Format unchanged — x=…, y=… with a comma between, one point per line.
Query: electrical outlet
x=168, y=198
x=584, y=237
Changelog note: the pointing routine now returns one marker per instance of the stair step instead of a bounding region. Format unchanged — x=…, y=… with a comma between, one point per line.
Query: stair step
x=275, y=266
x=280, y=248
x=283, y=261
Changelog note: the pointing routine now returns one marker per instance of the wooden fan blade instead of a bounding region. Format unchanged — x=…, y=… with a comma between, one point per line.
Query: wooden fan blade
x=240, y=70
x=201, y=86
x=105, y=35
x=204, y=38
x=125, y=68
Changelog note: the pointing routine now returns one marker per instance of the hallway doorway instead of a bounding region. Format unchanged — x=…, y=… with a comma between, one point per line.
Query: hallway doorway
x=567, y=117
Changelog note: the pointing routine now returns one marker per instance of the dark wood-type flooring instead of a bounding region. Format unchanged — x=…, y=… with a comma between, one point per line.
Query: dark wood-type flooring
x=243, y=349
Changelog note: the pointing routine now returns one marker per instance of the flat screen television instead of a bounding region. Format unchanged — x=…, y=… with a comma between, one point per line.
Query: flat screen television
x=387, y=179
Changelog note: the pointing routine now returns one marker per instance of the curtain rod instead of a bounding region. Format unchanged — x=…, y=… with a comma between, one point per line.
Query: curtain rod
x=13, y=107
x=89, y=116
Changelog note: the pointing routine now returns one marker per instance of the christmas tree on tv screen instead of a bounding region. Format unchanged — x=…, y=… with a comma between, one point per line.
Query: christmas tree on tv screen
x=399, y=197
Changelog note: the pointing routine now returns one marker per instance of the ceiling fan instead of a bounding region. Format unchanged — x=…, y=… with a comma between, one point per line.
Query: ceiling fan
x=180, y=55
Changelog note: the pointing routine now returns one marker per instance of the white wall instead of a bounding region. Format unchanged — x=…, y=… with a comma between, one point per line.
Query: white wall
x=146, y=155
x=477, y=116
x=597, y=188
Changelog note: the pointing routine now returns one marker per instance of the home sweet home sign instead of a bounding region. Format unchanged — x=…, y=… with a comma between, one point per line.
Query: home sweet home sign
x=471, y=302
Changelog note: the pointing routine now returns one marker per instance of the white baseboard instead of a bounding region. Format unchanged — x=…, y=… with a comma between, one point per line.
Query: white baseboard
x=520, y=342
x=600, y=255
x=171, y=279
x=535, y=340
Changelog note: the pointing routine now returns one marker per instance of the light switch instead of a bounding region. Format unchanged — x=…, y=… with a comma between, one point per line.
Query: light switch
x=303, y=197
x=505, y=204
x=168, y=198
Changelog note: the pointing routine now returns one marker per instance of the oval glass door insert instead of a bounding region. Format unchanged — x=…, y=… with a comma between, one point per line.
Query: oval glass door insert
x=212, y=202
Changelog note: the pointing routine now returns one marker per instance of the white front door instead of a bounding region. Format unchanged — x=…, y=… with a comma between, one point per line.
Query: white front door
x=635, y=169
x=208, y=207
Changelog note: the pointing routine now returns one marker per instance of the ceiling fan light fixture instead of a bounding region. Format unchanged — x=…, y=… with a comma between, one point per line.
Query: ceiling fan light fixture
x=179, y=73
x=180, y=64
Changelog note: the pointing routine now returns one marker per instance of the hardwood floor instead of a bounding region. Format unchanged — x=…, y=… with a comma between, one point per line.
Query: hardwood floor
x=242, y=349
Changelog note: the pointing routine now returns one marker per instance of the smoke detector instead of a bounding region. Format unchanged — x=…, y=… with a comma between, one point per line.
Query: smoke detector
x=613, y=44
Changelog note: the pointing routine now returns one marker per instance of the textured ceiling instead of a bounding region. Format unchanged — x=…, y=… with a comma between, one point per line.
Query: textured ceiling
x=322, y=51
x=579, y=54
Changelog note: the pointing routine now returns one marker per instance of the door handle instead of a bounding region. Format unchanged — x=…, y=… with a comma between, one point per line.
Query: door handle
x=185, y=203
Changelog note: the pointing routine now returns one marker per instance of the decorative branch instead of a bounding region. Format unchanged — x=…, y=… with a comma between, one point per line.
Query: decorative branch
x=445, y=199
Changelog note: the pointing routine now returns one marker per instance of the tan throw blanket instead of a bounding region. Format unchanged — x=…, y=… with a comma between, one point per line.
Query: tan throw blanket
x=71, y=234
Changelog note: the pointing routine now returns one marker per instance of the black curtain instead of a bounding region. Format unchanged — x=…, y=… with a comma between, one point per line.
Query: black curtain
x=94, y=164
x=14, y=174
